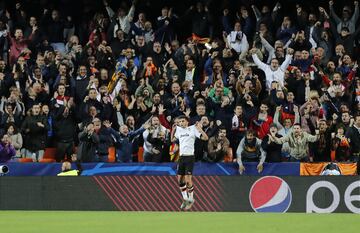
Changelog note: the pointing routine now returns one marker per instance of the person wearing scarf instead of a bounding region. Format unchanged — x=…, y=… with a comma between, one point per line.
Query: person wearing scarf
x=250, y=150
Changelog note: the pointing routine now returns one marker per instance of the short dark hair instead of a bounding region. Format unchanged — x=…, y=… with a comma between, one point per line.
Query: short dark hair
x=183, y=117
x=221, y=127
x=60, y=84
x=251, y=131
x=8, y=125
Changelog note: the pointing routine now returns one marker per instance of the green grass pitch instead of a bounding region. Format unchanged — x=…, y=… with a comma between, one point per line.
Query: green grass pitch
x=170, y=222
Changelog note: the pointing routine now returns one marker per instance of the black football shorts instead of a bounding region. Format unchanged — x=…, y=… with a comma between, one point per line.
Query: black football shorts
x=186, y=165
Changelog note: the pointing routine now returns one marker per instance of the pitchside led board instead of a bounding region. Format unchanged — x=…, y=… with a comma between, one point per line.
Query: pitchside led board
x=317, y=194
x=293, y=194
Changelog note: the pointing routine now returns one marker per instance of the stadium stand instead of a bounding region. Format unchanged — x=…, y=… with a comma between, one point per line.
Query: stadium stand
x=107, y=80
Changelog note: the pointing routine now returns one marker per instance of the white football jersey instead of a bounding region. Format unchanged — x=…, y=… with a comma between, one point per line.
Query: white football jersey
x=186, y=137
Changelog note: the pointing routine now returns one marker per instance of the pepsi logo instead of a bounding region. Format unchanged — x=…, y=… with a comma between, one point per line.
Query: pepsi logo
x=270, y=194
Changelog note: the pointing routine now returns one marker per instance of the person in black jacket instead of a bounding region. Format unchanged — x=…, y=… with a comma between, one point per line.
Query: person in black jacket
x=64, y=131
x=272, y=149
x=201, y=147
x=54, y=29
x=88, y=142
x=34, y=129
x=201, y=19
x=321, y=149
x=81, y=83
x=160, y=146
x=353, y=134
x=105, y=140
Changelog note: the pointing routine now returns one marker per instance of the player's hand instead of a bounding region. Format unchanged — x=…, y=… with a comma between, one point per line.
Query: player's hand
x=241, y=169
x=198, y=125
x=260, y=167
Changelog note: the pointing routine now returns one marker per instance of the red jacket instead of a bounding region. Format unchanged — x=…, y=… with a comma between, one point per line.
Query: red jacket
x=262, y=128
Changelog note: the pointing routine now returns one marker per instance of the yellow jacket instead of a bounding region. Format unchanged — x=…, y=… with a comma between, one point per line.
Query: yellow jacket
x=69, y=173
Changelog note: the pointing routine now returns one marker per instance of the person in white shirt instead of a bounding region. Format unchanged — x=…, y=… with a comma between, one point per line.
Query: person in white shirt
x=121, y=20
x=155, y=129
x=185, y=136
x=237, y=40
x=273, y=72
x=336, y=89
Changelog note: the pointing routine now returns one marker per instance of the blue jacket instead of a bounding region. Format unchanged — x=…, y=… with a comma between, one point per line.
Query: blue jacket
x=124, y=144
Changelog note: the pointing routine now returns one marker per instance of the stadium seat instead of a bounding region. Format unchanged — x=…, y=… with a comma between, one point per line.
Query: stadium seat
x=141, y=154
x=229, y=156
x=25, y=160
x=50, y=153
x=47, y=160
x=112, y=154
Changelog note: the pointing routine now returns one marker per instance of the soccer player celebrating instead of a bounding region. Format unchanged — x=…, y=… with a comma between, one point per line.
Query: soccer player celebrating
x=185, y=136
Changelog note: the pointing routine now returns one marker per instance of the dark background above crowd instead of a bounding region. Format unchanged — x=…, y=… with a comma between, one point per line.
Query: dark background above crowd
x=83, y=11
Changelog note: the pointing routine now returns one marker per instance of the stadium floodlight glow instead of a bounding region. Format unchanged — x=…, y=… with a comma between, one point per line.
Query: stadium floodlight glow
x=4, y=170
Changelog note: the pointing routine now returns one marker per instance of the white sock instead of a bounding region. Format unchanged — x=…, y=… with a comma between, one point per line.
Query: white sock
x=191, y=196
x=184, y=192
x=190, y=192
x=184, y=195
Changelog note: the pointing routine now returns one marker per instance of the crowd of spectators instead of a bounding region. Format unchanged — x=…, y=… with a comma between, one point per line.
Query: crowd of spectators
x=275, y=85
